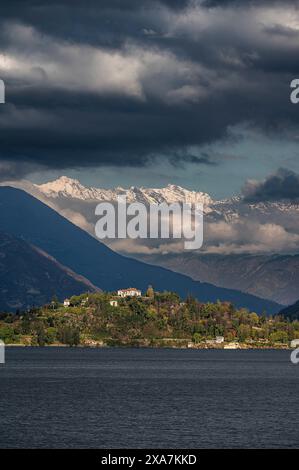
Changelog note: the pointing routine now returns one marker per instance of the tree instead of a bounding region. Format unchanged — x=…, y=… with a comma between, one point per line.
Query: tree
x=244, y=332
x=54, y=302
x=150, y=291
x=254, y=318
x=197, y=338
x=25, y=324
x=137, y=307
x=7, y=334
x=279, y=337
x=40, y=334
x=69, y=335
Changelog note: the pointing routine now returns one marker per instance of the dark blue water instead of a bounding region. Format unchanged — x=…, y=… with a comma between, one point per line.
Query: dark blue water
x=109, y=398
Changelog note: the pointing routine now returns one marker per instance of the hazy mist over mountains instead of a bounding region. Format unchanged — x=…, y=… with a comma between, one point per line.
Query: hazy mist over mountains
x=40, y=226
x=248, y=246
x=232, y=225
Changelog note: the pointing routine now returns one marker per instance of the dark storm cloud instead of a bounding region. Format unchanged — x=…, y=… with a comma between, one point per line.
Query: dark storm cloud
x=283, y=185
x=124, y=83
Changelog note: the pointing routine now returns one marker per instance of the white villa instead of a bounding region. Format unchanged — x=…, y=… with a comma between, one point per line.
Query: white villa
x=66, y=302
x=84, y=302
x=113, y=303
x=130, y=292
x=219, y=339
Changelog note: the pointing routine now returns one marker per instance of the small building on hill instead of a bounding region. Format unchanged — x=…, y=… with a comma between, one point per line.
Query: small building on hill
x=130, y=292
x=113, y=303
x=66, y=303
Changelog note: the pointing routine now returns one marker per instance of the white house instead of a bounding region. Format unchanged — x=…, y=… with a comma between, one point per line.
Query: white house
x=66, y=302
x=84, y=302
x=130, y=292
x=113, y=303
x=219, y=339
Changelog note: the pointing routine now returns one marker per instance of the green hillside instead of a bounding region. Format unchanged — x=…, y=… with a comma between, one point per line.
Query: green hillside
x=157, y=319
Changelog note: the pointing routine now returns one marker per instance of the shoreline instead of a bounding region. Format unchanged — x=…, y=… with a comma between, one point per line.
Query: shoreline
x=120, y=346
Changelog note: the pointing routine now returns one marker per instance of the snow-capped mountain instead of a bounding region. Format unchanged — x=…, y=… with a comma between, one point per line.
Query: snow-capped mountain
x=71, y=188
x=239, y=237
x=228, y=210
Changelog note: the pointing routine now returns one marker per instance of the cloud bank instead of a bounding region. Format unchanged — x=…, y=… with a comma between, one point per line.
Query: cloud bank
x=281, y=186
x=124, y=83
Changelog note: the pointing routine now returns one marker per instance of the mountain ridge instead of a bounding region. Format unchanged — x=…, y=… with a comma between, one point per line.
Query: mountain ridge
x=291, y=312
x=30, y=277
x=69, y=187
x=232, y=228
x=25, y=216
x=275, y=277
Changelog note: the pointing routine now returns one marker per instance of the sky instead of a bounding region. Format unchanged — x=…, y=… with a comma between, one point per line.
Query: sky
x=114, y=93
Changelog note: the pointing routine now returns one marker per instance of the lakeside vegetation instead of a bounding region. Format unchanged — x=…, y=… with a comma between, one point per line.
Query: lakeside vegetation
x=155, y=320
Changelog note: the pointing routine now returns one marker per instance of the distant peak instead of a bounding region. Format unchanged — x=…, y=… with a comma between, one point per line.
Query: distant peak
x=72, y=188
x=62, y=186
x=63, y=180
x=66, y=179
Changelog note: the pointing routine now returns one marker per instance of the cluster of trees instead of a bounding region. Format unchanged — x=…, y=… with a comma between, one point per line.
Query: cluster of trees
x=157, y=316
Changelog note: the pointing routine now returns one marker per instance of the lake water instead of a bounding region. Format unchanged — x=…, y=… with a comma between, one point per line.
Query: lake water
x=148, y=398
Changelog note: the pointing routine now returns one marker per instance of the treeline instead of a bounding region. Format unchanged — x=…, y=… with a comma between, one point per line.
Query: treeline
x=156, y=319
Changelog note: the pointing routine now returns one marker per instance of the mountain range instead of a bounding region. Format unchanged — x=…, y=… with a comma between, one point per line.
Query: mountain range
x=25, y=217
x=229, y=209
x=30, y=277
x=72, y=188
x=291, y=312
x=250, y=247
x=274, y=277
